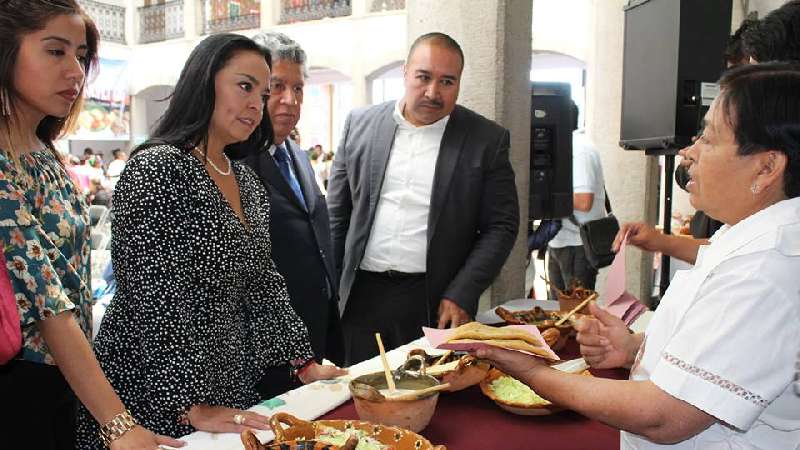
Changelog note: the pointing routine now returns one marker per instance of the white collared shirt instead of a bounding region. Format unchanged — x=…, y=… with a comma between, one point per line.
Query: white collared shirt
x=726, y=339
x=399, y=237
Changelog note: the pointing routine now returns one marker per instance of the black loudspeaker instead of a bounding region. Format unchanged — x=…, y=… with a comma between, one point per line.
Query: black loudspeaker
x=672, y=61
x=552, y=123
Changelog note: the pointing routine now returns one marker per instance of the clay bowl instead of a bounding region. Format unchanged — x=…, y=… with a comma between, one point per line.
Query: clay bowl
x=412, y=414
x=570, y=302
x=292, y=433
x=458, y=369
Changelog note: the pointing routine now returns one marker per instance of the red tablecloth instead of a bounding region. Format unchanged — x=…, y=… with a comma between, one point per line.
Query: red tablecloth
x=468, y=420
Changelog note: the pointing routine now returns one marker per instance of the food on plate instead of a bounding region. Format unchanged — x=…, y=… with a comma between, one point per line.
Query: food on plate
x=511, y=344
x=523, y=317
x=551, y=336
x=479, y=331
x=513, y=391
x=345, y=439
x=510, y=338
x=291, y=432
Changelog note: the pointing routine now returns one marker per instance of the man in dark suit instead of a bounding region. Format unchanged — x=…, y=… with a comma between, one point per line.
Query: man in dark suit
x=299, y=224
x=423, y=206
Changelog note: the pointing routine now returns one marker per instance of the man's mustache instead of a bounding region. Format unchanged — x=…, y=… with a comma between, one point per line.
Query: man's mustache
x=431, y=104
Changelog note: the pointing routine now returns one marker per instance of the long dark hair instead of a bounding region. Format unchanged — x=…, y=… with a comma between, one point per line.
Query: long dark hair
x=185, y=123
x=762, y=104
x=19, y=17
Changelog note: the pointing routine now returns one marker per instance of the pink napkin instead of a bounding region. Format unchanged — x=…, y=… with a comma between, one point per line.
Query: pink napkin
x=438, y=339
x=617, y=300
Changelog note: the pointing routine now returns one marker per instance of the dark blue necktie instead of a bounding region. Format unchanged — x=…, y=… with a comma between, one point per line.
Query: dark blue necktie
x=282, y=158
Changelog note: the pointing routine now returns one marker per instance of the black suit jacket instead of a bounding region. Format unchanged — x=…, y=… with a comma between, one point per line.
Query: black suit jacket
x=474, y=213
x=301, y=247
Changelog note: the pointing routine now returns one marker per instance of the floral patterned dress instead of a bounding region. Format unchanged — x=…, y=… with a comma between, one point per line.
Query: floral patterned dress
x=44, y=232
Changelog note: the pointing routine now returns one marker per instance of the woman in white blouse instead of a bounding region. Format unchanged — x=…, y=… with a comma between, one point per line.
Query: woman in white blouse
x=717, y=366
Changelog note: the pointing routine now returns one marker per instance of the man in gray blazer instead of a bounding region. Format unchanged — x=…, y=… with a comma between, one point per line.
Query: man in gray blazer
x=423, y=206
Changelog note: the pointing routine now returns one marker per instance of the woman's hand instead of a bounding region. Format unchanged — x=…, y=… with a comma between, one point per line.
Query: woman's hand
x=318, y=371
x=220, y=419
x=518, y=365
x=639, y=234
x=140, y=438
x=605, y=340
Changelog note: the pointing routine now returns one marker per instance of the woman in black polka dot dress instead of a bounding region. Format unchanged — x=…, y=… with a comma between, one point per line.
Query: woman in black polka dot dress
x=200, y=312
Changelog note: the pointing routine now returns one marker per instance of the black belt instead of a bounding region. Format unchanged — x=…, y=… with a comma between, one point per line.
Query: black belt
x=395, y=275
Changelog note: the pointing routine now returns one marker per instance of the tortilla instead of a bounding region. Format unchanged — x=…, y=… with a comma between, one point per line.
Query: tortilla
x=511, y=344
x=481, y=332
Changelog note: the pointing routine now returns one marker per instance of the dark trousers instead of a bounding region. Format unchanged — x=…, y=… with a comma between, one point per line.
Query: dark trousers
x=334, y=344
x=567, y=264
x=40, y=407
x=394, y=305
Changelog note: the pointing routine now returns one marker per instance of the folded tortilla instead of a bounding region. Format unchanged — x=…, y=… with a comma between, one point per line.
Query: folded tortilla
x=511, y=344
x=481, y=332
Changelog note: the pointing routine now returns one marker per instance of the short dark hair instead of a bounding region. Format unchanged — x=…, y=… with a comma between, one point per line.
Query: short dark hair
x=734, y=52
x=116, y=152
x=185, y=122
x=437, y=38
x=776, y=37
x=761, y=102
x=20, y=17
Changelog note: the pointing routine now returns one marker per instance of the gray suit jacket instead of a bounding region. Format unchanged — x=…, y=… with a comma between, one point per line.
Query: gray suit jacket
x=474, y=214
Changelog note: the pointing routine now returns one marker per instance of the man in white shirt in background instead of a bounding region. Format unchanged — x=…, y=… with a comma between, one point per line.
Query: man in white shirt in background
x=116, y=166
x=567, y=258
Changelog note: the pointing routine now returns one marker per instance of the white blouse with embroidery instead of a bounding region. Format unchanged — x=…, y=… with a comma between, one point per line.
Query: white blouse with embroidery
x=726, y=336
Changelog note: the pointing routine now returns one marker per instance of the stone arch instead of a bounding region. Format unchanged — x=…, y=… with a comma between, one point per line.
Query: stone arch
x=548, y=65
x=383, y=82
x=327, y=101
x=150, y=104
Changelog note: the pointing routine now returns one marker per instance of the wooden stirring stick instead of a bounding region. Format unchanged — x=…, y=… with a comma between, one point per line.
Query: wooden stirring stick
x=386, y=370
x=576, y=309
x=441, y=360
x=416, y=394
x=549, y=284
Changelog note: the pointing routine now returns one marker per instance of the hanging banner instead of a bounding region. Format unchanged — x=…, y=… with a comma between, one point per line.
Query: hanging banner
x=106, y=109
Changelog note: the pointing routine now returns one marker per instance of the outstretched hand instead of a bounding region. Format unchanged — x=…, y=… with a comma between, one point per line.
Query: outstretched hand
x=221, y=419
x=513, y=363
x=318, y=371
x=605, y=341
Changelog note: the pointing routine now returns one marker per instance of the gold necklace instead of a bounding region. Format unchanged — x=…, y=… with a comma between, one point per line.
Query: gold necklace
x=214, y=166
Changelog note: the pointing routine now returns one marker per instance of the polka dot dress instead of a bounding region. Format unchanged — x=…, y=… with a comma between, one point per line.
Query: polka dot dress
x=200, y=309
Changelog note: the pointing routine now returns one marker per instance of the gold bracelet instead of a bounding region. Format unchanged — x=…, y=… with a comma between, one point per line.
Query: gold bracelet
x=116, y=427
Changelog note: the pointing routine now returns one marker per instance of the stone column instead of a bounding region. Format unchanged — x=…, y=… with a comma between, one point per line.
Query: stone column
x=192, y=19
x=270, y=14
x=496, y=38
x=631, y=177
